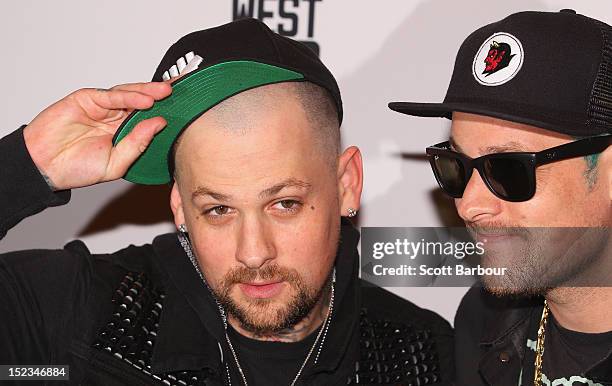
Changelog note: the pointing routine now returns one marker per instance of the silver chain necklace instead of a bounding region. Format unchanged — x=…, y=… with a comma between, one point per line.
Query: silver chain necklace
x=184, y=241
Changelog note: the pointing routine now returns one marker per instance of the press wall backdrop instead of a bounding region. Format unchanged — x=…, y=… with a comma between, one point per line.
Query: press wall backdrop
x=380, y=51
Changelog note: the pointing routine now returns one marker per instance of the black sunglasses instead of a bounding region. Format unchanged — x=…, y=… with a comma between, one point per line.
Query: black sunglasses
x=510, y=176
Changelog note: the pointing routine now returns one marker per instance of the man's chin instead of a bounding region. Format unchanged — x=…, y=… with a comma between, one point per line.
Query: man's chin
x=508, y=288
x=265, y=308
x=261, y=317
x=269, y=316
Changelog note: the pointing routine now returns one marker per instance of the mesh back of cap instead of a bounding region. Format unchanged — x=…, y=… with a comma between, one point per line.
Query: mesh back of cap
x=600, y=104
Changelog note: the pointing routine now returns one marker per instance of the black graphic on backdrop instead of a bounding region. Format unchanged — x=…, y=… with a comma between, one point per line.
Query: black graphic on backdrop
x=291, y=18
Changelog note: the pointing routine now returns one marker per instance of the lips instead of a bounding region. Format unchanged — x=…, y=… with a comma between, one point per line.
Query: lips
x=261, y=290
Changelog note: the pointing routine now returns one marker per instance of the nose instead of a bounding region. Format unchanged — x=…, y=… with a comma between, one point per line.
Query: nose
x=478, y=202
x=255, y=243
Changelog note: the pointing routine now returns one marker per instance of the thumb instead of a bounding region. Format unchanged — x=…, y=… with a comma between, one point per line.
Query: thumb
x=132, y=146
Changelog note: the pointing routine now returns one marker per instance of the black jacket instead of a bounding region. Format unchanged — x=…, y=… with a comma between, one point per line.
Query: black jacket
x=491, y=335
x=142, y=315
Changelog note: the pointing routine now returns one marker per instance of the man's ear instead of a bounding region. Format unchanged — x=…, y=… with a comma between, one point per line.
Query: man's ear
x=350, y=179
x=176, y=204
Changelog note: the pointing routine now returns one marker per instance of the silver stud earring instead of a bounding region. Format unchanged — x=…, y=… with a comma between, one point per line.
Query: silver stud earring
x=182, y=228
x=351, y=212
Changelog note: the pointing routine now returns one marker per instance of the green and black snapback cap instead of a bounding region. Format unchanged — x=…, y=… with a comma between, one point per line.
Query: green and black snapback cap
x=214, y=65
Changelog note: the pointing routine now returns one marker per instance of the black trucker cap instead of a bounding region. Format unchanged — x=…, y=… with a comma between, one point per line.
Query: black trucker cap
x=547, y=69
x=218, y=63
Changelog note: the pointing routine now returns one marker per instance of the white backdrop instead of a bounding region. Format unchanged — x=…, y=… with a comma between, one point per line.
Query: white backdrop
x=380, y=51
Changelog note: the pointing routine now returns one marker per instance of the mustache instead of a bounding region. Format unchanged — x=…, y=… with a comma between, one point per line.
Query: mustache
x=498, y=229
x=272, y=272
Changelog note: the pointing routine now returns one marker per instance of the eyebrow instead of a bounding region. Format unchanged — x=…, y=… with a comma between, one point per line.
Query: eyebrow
x=204, y=191
x=288, y=183
x=503, y=148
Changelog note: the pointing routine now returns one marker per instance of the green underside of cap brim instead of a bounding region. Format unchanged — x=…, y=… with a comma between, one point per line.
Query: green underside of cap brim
x=191, y=97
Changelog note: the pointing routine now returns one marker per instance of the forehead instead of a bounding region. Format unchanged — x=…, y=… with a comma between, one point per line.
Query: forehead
x=249, y=145
x=474, y=130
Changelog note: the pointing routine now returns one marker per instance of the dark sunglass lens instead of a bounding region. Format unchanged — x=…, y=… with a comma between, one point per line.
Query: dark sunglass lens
x=450, y=173
x=509, y=178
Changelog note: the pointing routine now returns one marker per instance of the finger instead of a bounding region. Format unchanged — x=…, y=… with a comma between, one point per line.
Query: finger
x=132, y=146
x=105, y=106
x=119, y=99
x=157, y=90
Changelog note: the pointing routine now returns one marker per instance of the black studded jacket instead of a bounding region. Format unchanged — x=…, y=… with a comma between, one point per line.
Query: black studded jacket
x=142, y=316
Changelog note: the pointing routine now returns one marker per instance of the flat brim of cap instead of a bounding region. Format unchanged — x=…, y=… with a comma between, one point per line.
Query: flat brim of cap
x=422, y=109
x=193, y=95
x=510, y=113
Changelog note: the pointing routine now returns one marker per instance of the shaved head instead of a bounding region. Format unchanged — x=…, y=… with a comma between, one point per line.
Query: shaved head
x=240, y=113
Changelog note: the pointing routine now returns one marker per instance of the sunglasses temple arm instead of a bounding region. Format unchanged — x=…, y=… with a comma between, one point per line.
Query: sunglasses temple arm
x=583, y=147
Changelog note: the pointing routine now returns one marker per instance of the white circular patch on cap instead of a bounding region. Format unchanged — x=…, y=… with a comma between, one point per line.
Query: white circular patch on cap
x=498, y=60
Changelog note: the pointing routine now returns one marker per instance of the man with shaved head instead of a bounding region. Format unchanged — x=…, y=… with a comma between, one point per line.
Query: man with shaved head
x=259, y=285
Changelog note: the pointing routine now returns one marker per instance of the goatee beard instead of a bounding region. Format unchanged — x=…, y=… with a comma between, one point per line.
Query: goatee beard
x=265, y=317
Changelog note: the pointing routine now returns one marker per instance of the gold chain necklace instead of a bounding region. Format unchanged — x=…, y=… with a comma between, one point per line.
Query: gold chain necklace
x=537, y=380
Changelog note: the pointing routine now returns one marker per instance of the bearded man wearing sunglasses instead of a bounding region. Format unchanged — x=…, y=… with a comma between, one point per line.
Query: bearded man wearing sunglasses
x=529, y=165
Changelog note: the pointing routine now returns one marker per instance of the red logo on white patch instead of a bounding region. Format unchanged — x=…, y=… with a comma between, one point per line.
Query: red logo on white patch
x=498, y=60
